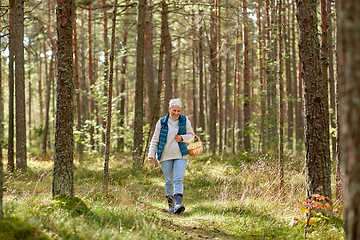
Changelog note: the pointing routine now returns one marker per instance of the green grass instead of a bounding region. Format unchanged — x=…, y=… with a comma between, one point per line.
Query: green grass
x=226, y=197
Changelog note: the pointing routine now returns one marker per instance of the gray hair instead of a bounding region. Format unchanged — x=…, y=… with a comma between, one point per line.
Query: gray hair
x=174, y=102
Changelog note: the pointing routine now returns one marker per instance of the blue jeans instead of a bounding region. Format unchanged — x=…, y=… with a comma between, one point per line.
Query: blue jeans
x=174, y=171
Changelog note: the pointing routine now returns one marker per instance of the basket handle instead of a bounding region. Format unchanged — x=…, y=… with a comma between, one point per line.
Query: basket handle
x=197, y=137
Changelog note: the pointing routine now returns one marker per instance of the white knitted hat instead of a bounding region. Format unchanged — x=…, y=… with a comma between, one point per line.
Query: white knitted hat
x=175, y=102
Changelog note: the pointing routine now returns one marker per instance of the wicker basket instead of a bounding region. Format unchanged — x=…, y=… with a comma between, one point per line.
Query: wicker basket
x=196, y=148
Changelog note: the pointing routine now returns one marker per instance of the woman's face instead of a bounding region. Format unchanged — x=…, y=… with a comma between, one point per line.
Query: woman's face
x=175, y=111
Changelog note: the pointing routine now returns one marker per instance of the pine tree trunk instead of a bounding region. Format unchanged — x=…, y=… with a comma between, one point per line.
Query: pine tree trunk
x=298, y=103
x=213, y=79
x=83, y=82
x=281, y=102
x=247, y=110
x=11, y=164
x=40, y=84
x=261, y=76
x=106, y=69
x=63, y=174
x=317, y=161
x=92, y=114
x=228, y=91
x=272, y=111
x=219, y=76
x=194, y=87
x=121, y=142
x=168, y=92
x=80, y=146
x=324, y=68
x=201, y=77
x=1, y=131
x=49, y=77
x=109, y=102
x=331, y=76
x=21, y=160
x=339, y=163
x=149, y=68
x=139, y=112
x=289, y=81
x=349, y=86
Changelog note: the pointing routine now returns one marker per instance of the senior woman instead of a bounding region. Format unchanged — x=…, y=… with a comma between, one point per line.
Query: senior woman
x=169, y=145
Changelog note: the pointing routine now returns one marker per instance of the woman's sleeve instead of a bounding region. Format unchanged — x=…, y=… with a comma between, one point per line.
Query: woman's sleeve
x=155, y=140
x=189, y=132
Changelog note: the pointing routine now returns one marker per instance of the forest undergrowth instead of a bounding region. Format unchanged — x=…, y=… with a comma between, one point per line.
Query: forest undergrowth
x=226, y=197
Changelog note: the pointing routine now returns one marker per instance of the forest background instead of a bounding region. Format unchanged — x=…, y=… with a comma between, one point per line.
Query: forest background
x=254, y=77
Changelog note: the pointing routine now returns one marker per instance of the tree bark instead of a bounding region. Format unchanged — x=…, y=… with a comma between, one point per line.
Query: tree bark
x=339, y=162
x=272, y=112
x=289, y=81
x=168, y=92
x=261, y=76
x=1, y=131
x=92, y=114
x=229, y=114
x=121, y=142
x=63, y=174
x=149, y=67
x=281, y=102
x=83, y=82
x=11, y=164
x=349, y=86
x=21, y=161
x=219, y=77
x=80, y=146
x=331, y=75
x=139, y=112
x=109, y=102
x=317, y=160
x=213, y=79
x=246, y=97
x=49, y=77
x=201, y=76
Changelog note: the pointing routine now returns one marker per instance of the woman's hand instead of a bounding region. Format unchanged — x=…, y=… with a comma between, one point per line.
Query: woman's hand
x=178, y=138
x=151, y=160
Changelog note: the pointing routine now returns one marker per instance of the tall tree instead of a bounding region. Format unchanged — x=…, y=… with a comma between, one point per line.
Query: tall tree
x=201, y=73
x=219, y=76
x=83, y=82
x=109, y=102
x=330, y=49
x=1, y=129
x=168, y=92
x=228, y=91
x=122, y=84
x=289, y=84
x=261, y=75
x=80, y=146
x=213, y=79
x=91, y=81
x=349, y=51
x=281, y=96
x=11, y=164
x=149, y=66
x=317, y=161
x=324, y=66
x=49, y=76
x=339, y=163
x=63, y=174
x=21, y=161
x=272, y=113
x=246, y=96
x=139, y=112
x=106, y=69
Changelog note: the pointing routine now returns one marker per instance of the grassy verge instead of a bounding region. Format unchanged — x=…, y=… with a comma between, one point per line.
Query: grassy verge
x=226, y=197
